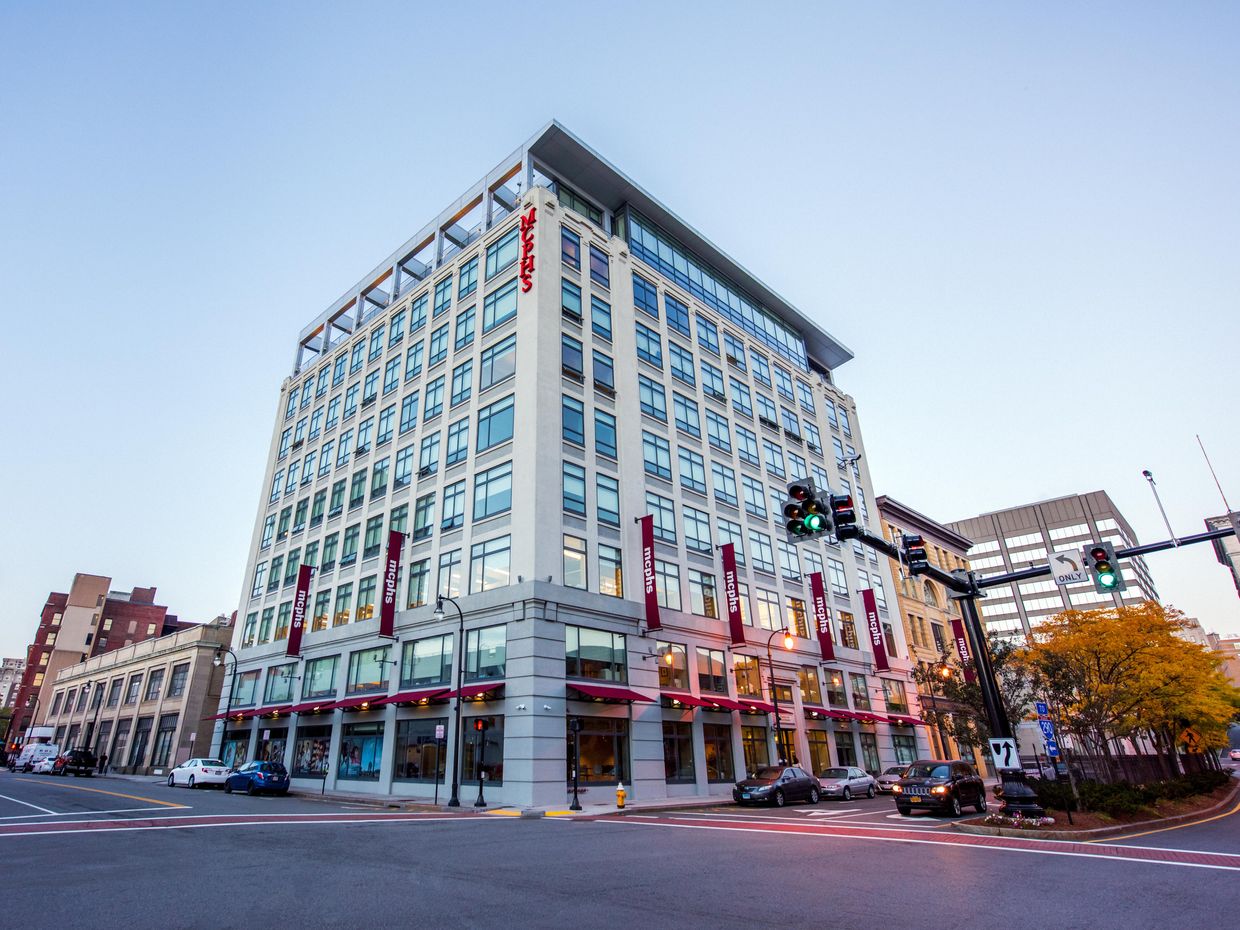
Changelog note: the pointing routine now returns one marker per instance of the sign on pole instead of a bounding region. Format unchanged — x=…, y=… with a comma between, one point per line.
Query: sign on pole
x=1067, y=568
x=1044, y=712
x=439, y=731
x=1003, y=753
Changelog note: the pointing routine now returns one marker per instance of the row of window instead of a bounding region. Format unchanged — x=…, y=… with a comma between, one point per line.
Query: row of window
x=75, y=699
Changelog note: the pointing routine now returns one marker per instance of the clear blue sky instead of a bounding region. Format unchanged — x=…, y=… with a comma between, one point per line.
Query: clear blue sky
x=956, y=191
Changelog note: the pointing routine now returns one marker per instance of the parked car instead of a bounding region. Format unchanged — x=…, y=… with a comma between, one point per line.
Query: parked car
x=1234, y=755
x=77, y=761
x=889, y=777
x=256, y=777
x=32, y=753
x=846, y=782
x=937, y=784
x=194, y=772
x=777, y=784
x=45, y=766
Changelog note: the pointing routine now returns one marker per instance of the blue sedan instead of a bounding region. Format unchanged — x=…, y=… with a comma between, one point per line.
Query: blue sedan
x=257, y=777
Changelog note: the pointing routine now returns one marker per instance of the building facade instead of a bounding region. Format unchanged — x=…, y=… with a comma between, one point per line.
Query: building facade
x=1020, y=537
x=1227, y=549
x=144, y=705
x=89, y=620
x=929, y=613
x=650, y=376
x=11, y=671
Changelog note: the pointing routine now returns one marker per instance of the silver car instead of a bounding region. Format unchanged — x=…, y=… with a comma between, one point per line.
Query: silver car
x=890, y=777
x=846, y=783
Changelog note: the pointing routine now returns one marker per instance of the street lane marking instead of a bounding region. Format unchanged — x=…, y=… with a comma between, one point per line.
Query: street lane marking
x=957, y=843
x=115, y=794
x=1178, y=826
x=159, y=825
x=122, y=810
x=26, y=804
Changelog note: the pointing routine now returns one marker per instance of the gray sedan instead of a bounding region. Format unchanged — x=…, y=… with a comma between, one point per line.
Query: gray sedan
x=845, y=783
x=890, y=777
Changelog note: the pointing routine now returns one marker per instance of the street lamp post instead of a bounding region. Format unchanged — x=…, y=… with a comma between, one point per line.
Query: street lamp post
x=780, y=748
x=455, y=800
x=97, y=690
x=218, y=661
x=575, y=726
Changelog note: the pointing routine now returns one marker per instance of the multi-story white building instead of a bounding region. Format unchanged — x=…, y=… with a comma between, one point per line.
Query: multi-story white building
x=1021, y=537
x=554, y=357
x=10, y=680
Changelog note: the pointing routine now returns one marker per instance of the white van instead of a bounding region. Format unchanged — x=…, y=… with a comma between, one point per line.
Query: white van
x=32, y=753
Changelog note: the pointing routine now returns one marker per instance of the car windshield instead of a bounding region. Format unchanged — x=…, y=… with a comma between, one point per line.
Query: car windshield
x=274, y=767
x=927, y=771
x=215, y=762
x=767, y=773
x=835, y=773
x=895, y=770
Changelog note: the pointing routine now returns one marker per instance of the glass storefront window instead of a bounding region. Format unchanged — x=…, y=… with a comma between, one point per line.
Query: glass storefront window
x=271, y=744
x=245, y=689
x=426, y=662
x=860, y=693
x=163, y=739
x=897, y=699
x=819, y=753
x=718, y=739
x=710, y=671
x=320, y=677
x=485, y=747
x=236, y=749
x=311, y=751
x=807, y=677
x=604, y=751
x=757, y=753
x=595, y=654
x=419, y=756
x=678, y=752
x=279, y=688
x=673, y=675
x=485, y=652
x=368, y=671
x=748, y=670
x=835, y=688
x=869, y=753
x=905, y=746
x=845, y=748
x=361, y=751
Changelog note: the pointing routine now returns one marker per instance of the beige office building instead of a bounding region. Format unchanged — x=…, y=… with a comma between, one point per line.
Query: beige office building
x=144, y=704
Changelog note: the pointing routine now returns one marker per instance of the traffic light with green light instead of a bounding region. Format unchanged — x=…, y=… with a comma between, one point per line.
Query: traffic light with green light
x=804, y=514
x=1103, y=568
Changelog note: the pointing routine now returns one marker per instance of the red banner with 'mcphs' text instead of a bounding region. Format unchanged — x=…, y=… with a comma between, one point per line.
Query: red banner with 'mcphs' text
x=391, y=575
x=300, y=600
x=822, y=615
x=652, y=595
x=874, y=627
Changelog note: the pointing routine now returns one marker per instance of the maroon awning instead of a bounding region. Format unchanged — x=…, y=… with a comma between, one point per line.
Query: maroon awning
x=906, y=721
x=865, y=717
x=813, y=710
x=755, y=706
x=683, y=697
x=313, y=707
x=423, y=696
x=282, y=710
x=718, y=702
x=482, y=691
x=356, y=703
x=608, y=693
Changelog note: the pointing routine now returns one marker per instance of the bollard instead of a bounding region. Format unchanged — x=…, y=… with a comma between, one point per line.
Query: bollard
x=620, y=795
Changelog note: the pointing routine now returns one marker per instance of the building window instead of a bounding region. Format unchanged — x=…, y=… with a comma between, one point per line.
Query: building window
x=657, y=456
x=645, y=296
x=453, y=516
x=595, y=654
x=664, y=513
x=673, y=672
x=860, y=691
x=368, y=671
x=667, y=584
x=718, y=740
x=757, y=753
x=710, y=669
x=651, y=398
x=462, y=382
x=848, y=631
x=311, y=749
x=485, y=653
x=610, y=571
x=495, y=424
x=500, y=306
x=131, y=695
x=895, y=695
x=450, y=573
x=649, y=346
x=605, y=433
x=702, y=594
x=600, y=272
x=570, y=300
x=604, y=747
x=905, y=747
x=493, y=491
x=685, y=414
x=490, y=564
x=678, y=753
x=426, y=662
x=319, y=678
x=575, y=562
x=483, y=750
x=419, y=755
x=419, y=583
x=570, y=248
x=573, y=417
x=176, y=686
x=607, y=499
x=600, y=317
x=574, y=489
x=692, y=470
x=498, y=363
x=361, y=751
x=869, y=753
x=677, y=314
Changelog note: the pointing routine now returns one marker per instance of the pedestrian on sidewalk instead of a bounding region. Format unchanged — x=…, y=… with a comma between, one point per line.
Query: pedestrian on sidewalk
x=103, y=763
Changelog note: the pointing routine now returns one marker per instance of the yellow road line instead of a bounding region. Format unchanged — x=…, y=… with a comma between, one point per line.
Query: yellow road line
x=504, y=813
x=1178, y=826
x=115, y=794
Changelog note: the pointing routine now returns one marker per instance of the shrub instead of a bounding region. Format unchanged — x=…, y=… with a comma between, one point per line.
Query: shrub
x=1053, y=794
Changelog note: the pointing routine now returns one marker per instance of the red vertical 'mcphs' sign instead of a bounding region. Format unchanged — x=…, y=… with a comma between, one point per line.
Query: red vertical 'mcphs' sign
x=875, y=628
x=962, y=647
x=527, y=249
x=300, y=600
x=391, y=574
x=732, y=594
x=822, y=615
x=652, y=596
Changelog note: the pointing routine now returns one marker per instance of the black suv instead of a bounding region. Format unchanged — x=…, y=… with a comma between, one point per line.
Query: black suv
x=941, y=786
x=77, y=761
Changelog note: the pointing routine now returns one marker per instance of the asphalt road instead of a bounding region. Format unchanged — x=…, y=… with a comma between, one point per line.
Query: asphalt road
x=147, y=856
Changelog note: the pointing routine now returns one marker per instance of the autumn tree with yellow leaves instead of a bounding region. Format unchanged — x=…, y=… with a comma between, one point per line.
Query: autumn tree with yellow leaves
x=1122, y=672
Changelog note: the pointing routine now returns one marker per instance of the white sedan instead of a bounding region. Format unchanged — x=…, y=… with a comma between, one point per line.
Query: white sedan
x=195, y=772
x=45, y=766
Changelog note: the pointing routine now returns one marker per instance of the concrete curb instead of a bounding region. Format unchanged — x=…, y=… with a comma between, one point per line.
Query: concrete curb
x=1100, y=832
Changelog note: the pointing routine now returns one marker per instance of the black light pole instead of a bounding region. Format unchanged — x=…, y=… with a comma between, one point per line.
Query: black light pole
x=218, y=661
x=770, y=664
x=480, y=724
x=575, y=726
x=455, y=800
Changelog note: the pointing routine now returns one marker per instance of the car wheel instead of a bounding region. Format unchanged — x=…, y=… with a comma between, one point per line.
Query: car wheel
x=813, y=795
x=905, y=810
x=780, y=800
x=191, y=782
x=847, y=795
x=227, y=788
x=870, y=792
x=980, y=806
x=172, y=781
x=955, y=806
x=283, y=794
x=249, y=788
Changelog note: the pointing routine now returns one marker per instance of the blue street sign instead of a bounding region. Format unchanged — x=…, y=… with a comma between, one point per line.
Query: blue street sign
x=1052, y=748
x=1048, y=729
x=1041, y=708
